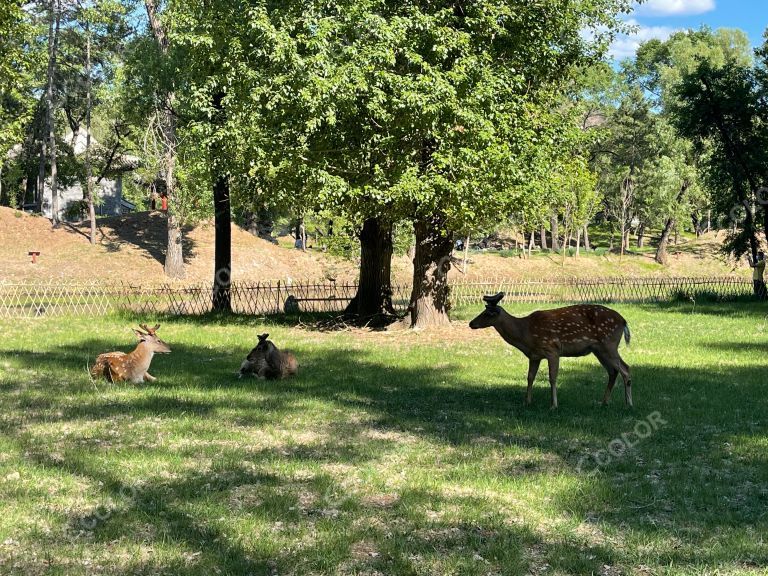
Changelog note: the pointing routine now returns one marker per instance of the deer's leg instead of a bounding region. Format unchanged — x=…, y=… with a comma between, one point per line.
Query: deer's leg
x=613, y=373
x=533, y=369
x=626, y=377
x=148, y=377
x=554, y=366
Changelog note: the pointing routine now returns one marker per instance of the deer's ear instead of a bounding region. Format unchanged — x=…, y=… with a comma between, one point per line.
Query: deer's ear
x=493, y=300
x=139, y=334
x=263, y=336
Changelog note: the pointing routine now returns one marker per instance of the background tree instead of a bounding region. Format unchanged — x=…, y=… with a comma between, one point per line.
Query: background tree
x=720, y=110
x=386, y=109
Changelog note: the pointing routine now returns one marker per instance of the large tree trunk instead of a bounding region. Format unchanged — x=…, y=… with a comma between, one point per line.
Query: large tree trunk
x=374, y=291
x=553, y=225
x=222, y=280
x=429, y=299
x=174, y=255
x=543, y=235
x=53, y=45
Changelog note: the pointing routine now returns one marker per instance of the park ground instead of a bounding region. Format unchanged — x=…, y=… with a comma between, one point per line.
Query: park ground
x=389, y=453
x=131, y=248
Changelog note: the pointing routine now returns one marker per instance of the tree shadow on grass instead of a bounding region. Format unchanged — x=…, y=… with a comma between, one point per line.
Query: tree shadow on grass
x=741, y=306
x=688, y=477
x=760, y=348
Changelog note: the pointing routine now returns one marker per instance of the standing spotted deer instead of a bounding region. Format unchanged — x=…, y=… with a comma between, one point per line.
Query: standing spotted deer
x=563, y=332
x=132, y=367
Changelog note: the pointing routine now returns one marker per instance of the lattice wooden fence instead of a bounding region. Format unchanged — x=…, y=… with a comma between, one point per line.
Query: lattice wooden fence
x=58, y=298
x=639, y=290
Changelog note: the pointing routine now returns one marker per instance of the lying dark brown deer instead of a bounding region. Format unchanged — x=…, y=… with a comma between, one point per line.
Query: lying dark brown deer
x=134, y=366
x=563, y=332
x=266, y=361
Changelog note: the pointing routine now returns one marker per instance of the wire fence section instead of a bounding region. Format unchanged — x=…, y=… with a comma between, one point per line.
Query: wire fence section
x=57, y=298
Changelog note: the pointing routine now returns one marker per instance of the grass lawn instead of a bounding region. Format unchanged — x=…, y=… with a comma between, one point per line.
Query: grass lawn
x=390, y=453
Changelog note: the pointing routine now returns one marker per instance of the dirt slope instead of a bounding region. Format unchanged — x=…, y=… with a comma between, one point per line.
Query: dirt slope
x=130, y=248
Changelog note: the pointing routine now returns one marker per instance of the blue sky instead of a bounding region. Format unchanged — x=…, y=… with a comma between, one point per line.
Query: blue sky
x=659, y=18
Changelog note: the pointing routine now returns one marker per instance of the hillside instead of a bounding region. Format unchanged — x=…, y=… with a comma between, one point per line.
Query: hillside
x=130, y=248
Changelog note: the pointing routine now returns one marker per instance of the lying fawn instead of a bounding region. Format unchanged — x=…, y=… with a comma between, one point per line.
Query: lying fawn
x=266, y=361
x=563, y=332
x=131, y=367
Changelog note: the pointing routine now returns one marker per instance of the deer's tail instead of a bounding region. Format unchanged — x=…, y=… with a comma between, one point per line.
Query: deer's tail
x=627, y=334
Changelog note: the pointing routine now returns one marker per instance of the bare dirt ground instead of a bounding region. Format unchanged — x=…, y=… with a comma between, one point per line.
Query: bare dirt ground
x=130, y=249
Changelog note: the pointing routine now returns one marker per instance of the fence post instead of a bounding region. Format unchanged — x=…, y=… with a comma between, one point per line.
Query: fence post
x=278, y=307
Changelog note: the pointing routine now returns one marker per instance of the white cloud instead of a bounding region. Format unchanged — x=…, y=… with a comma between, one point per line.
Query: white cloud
x=625, y=46
x=674, y=7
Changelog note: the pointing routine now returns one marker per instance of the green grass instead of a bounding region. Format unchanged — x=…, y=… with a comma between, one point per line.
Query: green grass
x=390, y=453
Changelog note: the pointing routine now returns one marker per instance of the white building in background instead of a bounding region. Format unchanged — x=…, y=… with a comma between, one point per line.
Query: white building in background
x=108, y=192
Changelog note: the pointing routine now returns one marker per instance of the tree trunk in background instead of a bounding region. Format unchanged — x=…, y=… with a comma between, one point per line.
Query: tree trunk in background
x=431, y=263
x=222, y=280
x=578, y=240
x=697, y=224
x=266, y=224
x=53, y=45
x=543, y=235
x=466, y=255
x=374, y=290
x=40, y=188
x=661, y=252
x=586, y=238
x=641, y=235
x=174, y=255
x=88, y=105
x=627, y=196
x=765, y=221
x=553, y=225
x=252, y=222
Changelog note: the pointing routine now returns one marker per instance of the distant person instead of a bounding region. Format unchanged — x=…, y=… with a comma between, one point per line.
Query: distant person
x=758, y=276
x=164, y=202
x=153, y=201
